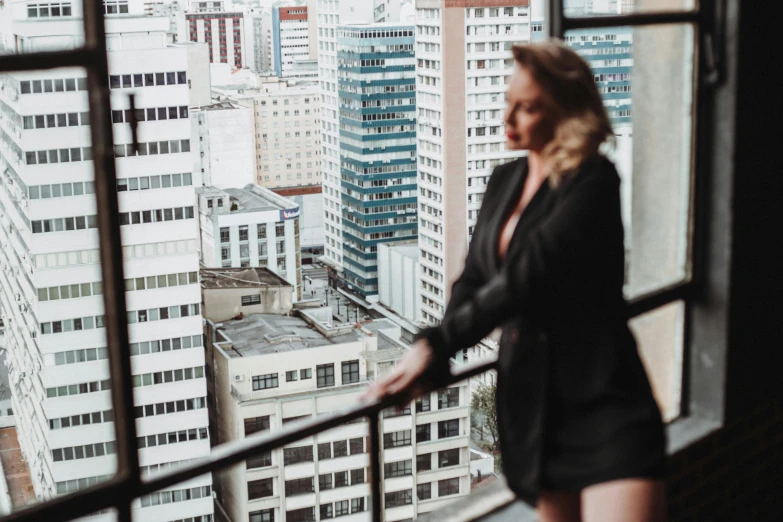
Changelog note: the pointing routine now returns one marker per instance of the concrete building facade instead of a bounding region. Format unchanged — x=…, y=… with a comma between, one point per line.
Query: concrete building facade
x=250, y=227
x=463, y=59
x=273, y=370
x=376, y=87
x=225, y=155
x=50, y=275
x=287, y=132
x=223, y=31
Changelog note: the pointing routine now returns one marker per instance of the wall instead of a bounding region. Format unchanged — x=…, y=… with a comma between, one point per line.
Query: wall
x=398, y=280
x=223, y=304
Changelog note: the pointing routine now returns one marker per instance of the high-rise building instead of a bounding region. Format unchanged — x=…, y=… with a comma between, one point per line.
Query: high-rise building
x=291, y=42
x=331, y=14
x=50, y=275
x=462, y=50
x=287, y=132
x=223, y=31
x=377, y=92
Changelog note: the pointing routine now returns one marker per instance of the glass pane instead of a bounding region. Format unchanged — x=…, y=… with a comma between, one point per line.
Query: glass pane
x=615, y=7
x=660, y=337
x=653, y=123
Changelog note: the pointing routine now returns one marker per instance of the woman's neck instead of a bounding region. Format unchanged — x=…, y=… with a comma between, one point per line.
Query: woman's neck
x=537, y=165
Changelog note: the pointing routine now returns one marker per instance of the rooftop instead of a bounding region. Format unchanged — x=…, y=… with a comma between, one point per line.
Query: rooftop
x=219, y=106
x=212, y=278
x=251, y=198
x=263, y=334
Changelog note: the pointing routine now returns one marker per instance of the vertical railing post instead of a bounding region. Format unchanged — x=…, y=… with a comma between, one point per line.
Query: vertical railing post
x=375, y=466
x=110, y=242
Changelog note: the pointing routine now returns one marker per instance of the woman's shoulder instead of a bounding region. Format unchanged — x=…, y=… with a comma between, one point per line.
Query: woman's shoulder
x=503, y=171
x=598, y=169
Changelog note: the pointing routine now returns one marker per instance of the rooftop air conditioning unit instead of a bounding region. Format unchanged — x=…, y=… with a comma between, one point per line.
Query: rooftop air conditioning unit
x=238, y=377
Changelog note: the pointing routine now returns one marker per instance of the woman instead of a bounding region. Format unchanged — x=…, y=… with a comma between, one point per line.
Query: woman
x=580, y=432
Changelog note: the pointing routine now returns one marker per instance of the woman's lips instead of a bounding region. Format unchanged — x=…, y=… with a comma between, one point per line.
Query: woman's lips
x=512, y=136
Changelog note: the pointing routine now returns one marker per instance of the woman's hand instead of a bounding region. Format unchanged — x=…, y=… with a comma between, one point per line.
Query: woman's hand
x=405, y=379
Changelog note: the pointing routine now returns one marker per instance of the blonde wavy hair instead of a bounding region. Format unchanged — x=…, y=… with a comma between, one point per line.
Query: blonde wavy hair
x=581, y=125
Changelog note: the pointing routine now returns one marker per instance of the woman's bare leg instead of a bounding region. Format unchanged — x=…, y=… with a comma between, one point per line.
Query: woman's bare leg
x=639, y=500
x=558, y=506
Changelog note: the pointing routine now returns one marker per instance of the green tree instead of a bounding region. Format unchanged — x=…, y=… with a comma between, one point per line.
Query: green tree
x=483, y=403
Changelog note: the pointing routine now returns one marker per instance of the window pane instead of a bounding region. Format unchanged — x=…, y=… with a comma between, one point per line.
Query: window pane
x=653, y=123
x=594, y=8
x=660, y=335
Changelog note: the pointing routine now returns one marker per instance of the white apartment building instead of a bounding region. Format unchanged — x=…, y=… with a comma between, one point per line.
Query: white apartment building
x=291, y=41
x=224, y=144
x=50, y=277
x=398, y=279
x=287, y=115
x=262, y=41
x=463, y=64
x=271, y=370
x=332, y=13
x=250, y=227
x=223, y=31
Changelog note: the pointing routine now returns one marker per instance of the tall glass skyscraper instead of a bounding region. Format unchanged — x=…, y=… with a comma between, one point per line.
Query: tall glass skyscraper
x=376, y=67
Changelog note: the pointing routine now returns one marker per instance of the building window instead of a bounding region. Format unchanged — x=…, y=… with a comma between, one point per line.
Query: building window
x=280, y=229
x=357, y=505
x=225, y=237
x=263, y=382
x=264, y=515
x=291, y=376
x=259, y=489
x=248, y=300
x=424, y=491
x=424, y=462
x=262, y=231
x=449, y=428
x=306, y=373
x=399, y=498
x=244, y=253
x=225, y=254
x=423, y=433
x=448, y=398
x=357, y=446
x=350, y=372
x=448, y=458
x=341, y=479
x=423, y=404
x=260, y=461
x=299, y=486
x=397, y=439
x=324, y=481
x=325, y=375
x=448, y=487
x=340, y=448
x=256, y=424
x=300, y=515
x=357, y=476
x=243, y=233
x=326, y=511
x=397, y=469
x=325, y=451
x=340, y=508
x=296, y=455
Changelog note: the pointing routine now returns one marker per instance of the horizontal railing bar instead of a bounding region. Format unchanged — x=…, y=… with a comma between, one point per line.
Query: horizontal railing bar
x=638, y=19
x=657, y=298
x=96, y=498
x=47, y=60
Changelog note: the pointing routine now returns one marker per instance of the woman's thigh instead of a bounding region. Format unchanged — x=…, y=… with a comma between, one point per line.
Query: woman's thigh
x=640, y=500
x=558, y=506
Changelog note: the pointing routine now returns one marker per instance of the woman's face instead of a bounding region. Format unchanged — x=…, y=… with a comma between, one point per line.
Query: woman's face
x=528, y=124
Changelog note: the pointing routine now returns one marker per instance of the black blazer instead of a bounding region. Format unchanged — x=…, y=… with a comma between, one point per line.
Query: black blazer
x=574, y=404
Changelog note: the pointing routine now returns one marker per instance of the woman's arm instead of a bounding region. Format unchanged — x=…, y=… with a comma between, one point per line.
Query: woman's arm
x=559, y=269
